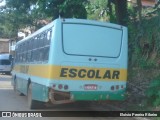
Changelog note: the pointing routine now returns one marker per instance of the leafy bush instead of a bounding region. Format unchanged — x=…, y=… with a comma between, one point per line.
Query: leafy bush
x=153, y=92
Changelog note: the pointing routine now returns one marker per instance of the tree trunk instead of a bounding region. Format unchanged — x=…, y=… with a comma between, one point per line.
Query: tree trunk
x=139, y=4
x=121, y=11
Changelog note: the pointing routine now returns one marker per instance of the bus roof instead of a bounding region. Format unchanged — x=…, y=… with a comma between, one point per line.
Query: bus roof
x=73, y=20
x=93, y=22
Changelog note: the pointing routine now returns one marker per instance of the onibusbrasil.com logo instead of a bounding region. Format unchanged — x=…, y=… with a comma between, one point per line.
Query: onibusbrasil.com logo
x=21, y=114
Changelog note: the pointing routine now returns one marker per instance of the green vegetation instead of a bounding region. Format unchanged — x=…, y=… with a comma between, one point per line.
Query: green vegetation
x=19, y=14
x=153, y=92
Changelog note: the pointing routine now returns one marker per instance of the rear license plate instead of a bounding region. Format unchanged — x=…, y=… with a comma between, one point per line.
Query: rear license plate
x=90, y=87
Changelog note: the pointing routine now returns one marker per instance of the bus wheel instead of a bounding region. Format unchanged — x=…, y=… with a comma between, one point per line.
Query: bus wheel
x=33, y=104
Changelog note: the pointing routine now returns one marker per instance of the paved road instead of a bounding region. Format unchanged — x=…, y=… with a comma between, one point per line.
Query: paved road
x=11, y=101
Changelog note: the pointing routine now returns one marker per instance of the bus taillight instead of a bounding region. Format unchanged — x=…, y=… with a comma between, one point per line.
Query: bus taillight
x=112, y=87
x=117, y=87
x=66, y=87
x=60, y=86
x=54, y=85
x=122, y=86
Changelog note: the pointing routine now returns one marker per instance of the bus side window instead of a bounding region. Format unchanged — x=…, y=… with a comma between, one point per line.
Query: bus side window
x=29, y=45
x=46, y=38
x=29, y=56
x=26, y=52
x=23, y=47
x=38, y=54
x=42, y=40
x=25, y=57
x=38, y=41
x=17, y=58
x=20, y=49
x=34, y=43
x=49, y=33
x=32, y=56
x=41, y=54
x=45, y=53
x=35, y=57
x=20, y=57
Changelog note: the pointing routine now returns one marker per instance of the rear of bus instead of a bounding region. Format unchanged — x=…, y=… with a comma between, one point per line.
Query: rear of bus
x=89, y=61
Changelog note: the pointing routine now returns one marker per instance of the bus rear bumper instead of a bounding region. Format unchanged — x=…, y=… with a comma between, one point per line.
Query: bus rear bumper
x=59, y=97
x=98, y=95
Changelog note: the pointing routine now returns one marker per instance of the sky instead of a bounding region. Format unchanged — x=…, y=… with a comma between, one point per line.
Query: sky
x=2, y=2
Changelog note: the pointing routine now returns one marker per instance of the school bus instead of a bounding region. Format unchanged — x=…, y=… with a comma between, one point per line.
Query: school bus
x=72, y=60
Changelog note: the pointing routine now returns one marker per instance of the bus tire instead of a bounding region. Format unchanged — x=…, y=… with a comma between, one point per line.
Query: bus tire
x=33, y=104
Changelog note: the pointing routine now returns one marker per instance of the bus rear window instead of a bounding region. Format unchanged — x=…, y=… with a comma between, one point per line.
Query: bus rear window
x=91, y=40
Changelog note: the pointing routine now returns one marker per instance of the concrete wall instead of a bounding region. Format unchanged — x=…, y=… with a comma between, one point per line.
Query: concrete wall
x=4, y=46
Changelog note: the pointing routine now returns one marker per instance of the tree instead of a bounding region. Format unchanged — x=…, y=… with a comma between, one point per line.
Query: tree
x=97, y=10
x=65, y=8
x=116, y=10
x=19, y=14
x=121, y=11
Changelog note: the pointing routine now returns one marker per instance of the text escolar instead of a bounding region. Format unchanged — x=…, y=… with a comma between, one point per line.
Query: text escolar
x=91, y=73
